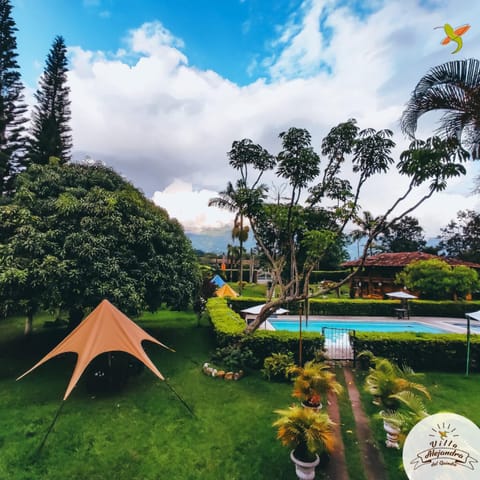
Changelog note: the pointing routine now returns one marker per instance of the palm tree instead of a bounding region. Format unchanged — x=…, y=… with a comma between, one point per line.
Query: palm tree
x=231, y=199
x=240, y=200
x=240, y=231
x=453, y=87
x=367, y=226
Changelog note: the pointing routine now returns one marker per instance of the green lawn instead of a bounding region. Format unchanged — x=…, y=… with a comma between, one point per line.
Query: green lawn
x=450, y=393
x=144, y=432
x=260, y=290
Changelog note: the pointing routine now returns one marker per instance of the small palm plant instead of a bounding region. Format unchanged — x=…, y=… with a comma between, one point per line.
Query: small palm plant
x=307, y=432
x=399, y=422
x=408, y=414
x=314, y=382
x=386, y=380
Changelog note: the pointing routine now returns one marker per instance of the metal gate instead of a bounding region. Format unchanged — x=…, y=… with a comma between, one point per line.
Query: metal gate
x=337, y=343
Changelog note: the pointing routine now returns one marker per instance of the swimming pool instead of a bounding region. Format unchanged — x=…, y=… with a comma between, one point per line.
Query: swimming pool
x=358, y=325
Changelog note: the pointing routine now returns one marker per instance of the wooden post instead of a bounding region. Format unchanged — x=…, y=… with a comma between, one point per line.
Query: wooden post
x=300, y=363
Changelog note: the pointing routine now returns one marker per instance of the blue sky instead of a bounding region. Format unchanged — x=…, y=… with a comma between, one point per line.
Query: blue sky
x=161, y=88
x=223, y=35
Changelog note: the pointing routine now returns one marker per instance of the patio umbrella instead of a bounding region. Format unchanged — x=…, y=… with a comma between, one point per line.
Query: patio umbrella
x=470, y=316
x=402, y=295
x=256, y=310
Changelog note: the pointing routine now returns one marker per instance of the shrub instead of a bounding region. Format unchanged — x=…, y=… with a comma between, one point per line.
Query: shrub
x=386, y=380
x=234, y=357
x=422, y=351
x=371, y=308
x=308, y=432
x=276, y=366
x=228, y=328
x=313, y=382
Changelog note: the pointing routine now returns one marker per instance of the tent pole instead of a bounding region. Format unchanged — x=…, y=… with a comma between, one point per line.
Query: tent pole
x=468, y=346
x=50, y=428
x=180, y=398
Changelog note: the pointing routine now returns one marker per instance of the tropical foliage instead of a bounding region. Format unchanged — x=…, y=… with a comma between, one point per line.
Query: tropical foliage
x=313, y=382
x=307, y=432
x=454, y=89
x=461, y=237
x=386, y=381
x=405, y=235
x=75, y=234
x=436, y=279
x=294, y=238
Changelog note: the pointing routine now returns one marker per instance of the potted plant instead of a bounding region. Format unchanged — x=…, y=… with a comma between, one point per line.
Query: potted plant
x=397, y=423
x=386, y=380
x=366, y=360
x=313, y=382
x=309, y=434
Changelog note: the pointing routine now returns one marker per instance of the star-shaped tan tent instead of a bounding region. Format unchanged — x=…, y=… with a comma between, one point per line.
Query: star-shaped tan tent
x=106, y=329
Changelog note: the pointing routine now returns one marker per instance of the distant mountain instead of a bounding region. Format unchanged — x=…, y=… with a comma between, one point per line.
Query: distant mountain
x=355, y=249
x=215, y=240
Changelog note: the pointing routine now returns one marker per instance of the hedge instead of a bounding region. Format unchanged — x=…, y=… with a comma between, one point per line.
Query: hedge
x=444, y=308
x=229, y=326
x=371, y=308
x=422, y=351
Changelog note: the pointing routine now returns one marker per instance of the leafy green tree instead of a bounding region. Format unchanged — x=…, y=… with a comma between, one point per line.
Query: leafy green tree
x=436, y=279
x=406, y=235
x=454, y=88
x=290, y=241
x=50, y=133
x=91, y=235
x=12, y=106
x=461, y=237
x=28, y=269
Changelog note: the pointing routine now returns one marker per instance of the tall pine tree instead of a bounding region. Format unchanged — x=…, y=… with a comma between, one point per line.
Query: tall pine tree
x=50, y=131
x=12, y=106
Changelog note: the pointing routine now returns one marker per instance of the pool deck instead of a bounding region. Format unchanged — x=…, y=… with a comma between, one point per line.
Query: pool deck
x=450, y=325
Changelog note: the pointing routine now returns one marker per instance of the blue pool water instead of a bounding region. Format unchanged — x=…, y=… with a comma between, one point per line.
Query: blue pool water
x=358, y=325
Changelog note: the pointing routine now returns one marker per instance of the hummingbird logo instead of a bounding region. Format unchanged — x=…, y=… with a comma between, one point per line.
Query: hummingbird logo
x=455, y=35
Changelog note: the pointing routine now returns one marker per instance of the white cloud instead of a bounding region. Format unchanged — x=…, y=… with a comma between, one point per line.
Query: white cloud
x=191, y=207
x=152, y=116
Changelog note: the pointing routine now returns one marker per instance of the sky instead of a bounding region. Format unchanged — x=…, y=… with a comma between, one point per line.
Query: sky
x=160, y=89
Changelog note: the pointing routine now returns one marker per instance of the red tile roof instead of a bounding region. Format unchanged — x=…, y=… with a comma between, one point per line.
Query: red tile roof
x=402, y=259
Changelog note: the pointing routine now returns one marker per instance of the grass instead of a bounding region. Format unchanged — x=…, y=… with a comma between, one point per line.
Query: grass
x=146, y=433
x=260, y=290
x=349, y=433
x=143, y=432
x=451, y=392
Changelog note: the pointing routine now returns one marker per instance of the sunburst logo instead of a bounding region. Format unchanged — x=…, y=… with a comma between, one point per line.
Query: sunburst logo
x=444, y=432
x=445, y=442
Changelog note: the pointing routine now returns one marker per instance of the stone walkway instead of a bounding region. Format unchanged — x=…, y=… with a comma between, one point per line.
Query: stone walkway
x=372, y=460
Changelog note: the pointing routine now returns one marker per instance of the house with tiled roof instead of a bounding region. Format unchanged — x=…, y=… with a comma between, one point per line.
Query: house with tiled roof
x=377, y=276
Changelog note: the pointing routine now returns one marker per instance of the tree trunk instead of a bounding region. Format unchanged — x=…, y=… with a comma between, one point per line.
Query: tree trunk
x=29, y=323
x=75, y=316
x=241, y=254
